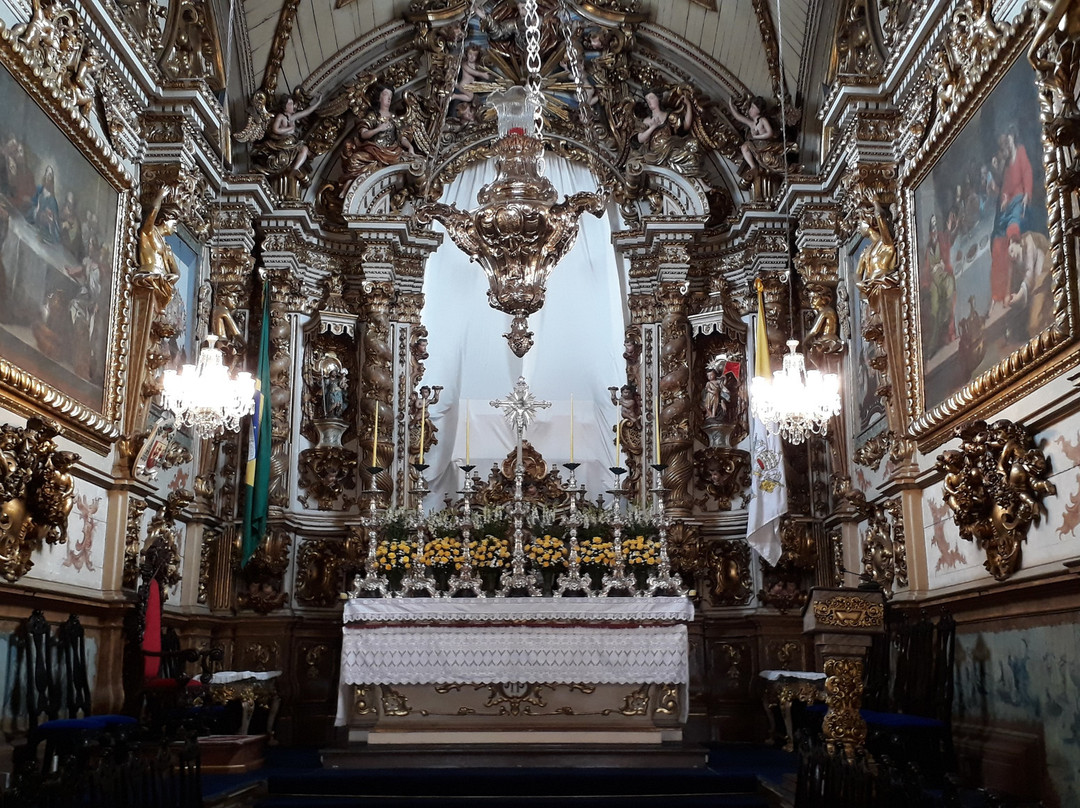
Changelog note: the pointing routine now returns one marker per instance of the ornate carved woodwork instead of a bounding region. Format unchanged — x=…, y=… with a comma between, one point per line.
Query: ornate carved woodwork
x=994, y=485
x=320, y=573
x=37, y=493
x=676, y=443
x=729, y=573
x=724, y=475
x=884, y=551
x=264, y=574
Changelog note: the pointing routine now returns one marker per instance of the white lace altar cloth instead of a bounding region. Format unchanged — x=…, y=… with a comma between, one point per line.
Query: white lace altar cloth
x=483, y=641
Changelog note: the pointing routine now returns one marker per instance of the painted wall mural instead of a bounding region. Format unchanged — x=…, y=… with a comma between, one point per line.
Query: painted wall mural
x=1029, y=676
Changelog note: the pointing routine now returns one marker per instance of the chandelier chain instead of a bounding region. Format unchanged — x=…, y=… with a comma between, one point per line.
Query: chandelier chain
x=532, y=65
x=573, y=60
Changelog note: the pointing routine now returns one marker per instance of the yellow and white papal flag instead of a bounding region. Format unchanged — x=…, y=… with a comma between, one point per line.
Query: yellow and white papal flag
x=768, y=487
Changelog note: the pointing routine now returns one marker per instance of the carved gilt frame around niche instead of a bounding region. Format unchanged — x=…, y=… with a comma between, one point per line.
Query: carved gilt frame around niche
x=991, y=56
x=41, y=370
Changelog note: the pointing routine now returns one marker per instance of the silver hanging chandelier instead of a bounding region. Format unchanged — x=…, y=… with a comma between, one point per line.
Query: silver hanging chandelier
x=519, y=233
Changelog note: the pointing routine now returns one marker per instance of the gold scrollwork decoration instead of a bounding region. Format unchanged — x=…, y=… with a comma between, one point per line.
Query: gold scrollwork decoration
x=849, y=611
x=37, y=493
x=394, y=703
x=844, y=727
x=994, y=484
x=636, y=702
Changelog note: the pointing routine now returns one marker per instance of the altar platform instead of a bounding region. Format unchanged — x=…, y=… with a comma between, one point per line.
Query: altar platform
x=590, y=672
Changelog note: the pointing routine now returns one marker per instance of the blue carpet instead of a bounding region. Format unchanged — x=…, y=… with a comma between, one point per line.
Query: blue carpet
x=294, y=779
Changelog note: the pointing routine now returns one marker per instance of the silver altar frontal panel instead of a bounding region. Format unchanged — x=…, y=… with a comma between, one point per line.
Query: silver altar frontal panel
x=423, y=670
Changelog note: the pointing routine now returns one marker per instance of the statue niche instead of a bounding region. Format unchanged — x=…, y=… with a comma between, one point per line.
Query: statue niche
x=723, y=472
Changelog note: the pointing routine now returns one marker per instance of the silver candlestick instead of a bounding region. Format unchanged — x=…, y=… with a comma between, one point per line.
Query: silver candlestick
x=418, y=579
x=466, y=580
x=372, y=580
x=572, y=580
x=617, y=579
x=515, y=578
x=662, y=580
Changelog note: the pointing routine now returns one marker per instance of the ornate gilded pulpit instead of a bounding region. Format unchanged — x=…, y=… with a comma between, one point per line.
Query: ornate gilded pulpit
x=843, y=623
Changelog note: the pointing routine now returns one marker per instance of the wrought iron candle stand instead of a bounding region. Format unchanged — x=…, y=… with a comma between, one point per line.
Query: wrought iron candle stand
x=617, y=579
x=418, y=579
x=516, y=579
x=466, y=580
x=372, y=580
x=572, y=580
x=662, y=580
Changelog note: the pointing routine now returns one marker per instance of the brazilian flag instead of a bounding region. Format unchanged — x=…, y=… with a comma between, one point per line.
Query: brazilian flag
x=257, y=471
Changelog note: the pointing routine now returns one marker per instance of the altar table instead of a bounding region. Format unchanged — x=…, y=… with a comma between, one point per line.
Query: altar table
x=555, y=670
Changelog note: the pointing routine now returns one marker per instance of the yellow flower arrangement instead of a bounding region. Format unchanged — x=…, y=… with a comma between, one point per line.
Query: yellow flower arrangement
x=596, y=551
x=642, y=550
x=444, y=551
x=395, y=554
x=490, y=551
x=546, y=550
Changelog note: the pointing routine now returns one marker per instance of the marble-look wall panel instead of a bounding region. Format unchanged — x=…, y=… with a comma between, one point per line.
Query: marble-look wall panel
x=79, y=560
x=1029, y=676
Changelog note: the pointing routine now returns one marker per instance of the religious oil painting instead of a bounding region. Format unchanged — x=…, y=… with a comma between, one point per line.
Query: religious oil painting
x=58, y=222
x=869, y=409
x=982, y=244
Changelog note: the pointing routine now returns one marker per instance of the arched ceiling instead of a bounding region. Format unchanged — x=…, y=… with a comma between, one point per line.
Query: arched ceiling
x=740, y=35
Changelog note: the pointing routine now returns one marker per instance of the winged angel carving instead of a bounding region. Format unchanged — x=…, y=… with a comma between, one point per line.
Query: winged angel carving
x=278, y=149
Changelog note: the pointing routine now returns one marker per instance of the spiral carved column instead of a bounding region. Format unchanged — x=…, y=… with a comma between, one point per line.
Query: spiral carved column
x=676, y=443
x=378, y=382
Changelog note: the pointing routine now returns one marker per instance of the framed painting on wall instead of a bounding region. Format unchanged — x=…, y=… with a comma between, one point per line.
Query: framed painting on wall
x=983, y=227
x=64, y=243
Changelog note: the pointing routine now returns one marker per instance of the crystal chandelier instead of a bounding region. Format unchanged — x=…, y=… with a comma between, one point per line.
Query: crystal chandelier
x=205, y=397
x=519, y=233
x=795, y=403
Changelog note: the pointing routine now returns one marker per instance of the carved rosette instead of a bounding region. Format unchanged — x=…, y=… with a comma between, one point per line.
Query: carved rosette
x=676, y=443
x=37, y=493
x=994, y=485
x=843, y=727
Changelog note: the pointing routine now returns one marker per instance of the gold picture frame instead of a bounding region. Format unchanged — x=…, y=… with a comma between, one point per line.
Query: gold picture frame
x=66, y=251
x=960, y=133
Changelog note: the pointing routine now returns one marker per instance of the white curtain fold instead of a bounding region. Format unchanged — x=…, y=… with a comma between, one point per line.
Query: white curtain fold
x=577, y=351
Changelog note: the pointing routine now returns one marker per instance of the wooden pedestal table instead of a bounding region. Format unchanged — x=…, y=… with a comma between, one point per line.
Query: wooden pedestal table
x=843, y=623
x=784, y=687
x=232, y=754
x=515, y=670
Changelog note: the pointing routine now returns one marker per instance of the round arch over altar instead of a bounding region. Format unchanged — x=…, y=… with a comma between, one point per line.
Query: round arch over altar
x=578, y=350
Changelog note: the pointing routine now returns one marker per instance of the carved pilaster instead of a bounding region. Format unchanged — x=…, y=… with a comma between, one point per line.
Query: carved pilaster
x=132, y=541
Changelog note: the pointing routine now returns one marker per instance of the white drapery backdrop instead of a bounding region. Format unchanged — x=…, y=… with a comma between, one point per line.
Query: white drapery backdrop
x=577, y=352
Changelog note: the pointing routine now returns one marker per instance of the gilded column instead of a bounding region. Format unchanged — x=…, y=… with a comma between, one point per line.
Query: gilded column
x=676, y=443
x=377, y=371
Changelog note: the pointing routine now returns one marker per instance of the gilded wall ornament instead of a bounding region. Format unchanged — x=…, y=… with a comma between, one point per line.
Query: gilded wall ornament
x=884, y=553
x=37, y=493
x=326, y=473
x=160, y=557
x=264, y=574
x=723, y=474
x=133, y=542
x=994, y=485
x=730, y=578
x=320, y=576
x=844, y=727
x=849, y=611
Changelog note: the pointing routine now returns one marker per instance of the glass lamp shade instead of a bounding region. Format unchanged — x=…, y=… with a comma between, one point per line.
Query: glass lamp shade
x=205, y=397
x=796, y=403
x=516, y=111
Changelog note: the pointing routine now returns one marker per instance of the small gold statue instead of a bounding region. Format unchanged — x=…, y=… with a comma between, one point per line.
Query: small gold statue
x=158, y=269
x=878, y=260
